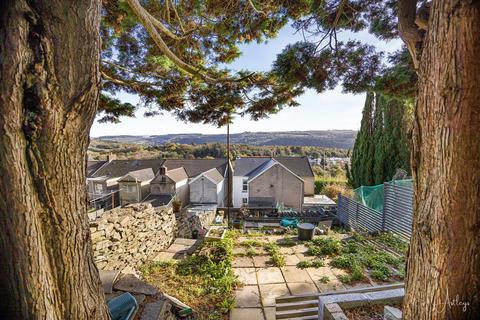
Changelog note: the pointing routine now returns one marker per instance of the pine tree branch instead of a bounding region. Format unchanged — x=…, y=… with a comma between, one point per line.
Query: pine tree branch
x=409, y=32
x=255, y=8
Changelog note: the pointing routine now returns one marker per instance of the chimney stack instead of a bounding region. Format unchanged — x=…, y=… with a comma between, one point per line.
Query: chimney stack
x=111, y=157
x=163, y=170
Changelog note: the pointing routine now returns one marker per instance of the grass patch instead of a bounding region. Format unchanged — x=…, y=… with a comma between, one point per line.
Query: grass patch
x=324, y=279
x=287, y=242
x=278, y=258
x=392, y=241
x=204, y=281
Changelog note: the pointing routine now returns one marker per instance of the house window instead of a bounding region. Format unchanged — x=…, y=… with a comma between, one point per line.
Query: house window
x=245, y=200
x=245, y=185
x=98, y=188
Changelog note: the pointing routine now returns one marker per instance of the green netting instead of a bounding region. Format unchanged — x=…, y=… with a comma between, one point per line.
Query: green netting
x=372, y=196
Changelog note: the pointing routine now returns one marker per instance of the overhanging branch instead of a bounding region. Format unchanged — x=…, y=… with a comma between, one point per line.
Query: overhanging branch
x=409, y=32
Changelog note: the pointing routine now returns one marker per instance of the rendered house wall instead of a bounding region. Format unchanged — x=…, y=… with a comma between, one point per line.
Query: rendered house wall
x=280, y=184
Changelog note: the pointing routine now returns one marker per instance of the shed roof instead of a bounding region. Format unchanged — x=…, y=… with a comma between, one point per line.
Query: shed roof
x=93, y=166
x=138, y=176
x=175, y=175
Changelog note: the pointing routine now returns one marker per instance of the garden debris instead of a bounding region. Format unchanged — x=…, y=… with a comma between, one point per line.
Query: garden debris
x=130, y=283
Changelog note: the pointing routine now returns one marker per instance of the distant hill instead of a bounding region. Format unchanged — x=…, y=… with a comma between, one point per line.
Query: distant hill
x=327, y=139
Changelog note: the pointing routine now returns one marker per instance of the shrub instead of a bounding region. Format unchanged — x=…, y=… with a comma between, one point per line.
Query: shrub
x=332, y=191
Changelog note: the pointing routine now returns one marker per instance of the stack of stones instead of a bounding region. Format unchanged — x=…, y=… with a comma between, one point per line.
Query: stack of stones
x=125, y=238
x=189, y=221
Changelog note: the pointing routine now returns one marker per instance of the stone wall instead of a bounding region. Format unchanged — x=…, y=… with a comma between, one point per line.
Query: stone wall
x=124, y=238
x=189, y=220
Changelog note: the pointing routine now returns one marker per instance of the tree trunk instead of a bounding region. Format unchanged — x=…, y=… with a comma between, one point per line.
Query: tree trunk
x=49, y=71
x=443, y=274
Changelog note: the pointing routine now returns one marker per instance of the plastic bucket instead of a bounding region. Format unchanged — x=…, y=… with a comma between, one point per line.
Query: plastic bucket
x=305, y=231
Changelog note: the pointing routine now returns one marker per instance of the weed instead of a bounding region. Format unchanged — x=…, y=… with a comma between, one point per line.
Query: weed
x=287, y=242
x=323, y=246
x=315, y=263
x=205, y=281
x=324, y=279
x=277, y=257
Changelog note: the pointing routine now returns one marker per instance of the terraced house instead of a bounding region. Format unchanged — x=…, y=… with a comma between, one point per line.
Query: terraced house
x=157, y=181
x=263, y=182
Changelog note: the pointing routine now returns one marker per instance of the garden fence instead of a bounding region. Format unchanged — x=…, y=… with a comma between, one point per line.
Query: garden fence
x=396, y=216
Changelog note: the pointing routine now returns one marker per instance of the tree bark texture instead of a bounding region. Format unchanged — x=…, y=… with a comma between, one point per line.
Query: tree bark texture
x=443, y=273
x=49, y=71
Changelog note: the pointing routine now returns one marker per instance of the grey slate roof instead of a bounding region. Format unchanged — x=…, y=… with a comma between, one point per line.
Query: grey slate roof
x=158, y=200
x=214, y=175
x=138, y=176
x=196, y=166
x=119, y=168
x=298, y=165
x=93, y=166
x=245, y=167
x=176, y=175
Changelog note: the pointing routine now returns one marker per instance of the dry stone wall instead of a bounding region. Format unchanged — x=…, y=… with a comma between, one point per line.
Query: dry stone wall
x=125, y=238
x=189, y=221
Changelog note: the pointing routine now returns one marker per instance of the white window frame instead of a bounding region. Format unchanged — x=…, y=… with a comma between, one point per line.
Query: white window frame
x=245, y=185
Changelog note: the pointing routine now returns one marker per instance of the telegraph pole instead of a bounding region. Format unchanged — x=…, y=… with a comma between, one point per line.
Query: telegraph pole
x=229, y=179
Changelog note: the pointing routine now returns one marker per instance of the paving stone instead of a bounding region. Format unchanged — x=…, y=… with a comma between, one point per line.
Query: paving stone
x=358, y=285
x=287, y=250
x=185, y=242
x=164, y=256
x=330, y=286
x=246, y=314
x=269, y=275
x=303, y=257
x=246, y=275
x=293, y=274
x=317, y=273
x=299, y=248
x=130, y=283
x=177, y=248
x=247, y=297
x=108, y=278
x=301, y=288
x=291, y=260
x=269, y=292
x=269, y=313
x=262, y=261
x=242, y=262
x=239, y=250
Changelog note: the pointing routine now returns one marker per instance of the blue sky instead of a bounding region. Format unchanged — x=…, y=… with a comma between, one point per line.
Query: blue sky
x=329, y=110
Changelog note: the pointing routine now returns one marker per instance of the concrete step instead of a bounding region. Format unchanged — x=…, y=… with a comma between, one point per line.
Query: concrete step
x=296, y=305
x=297, y=313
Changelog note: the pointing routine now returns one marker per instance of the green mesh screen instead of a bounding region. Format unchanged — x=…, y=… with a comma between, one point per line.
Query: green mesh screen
x=372, y=196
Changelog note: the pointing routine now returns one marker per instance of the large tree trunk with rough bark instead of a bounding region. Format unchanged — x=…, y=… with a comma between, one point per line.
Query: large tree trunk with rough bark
x=49, y=71
x=443, y=274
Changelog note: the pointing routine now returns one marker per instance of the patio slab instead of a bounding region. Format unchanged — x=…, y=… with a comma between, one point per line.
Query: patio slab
x=247, y=297
x=269, y=275
x=291, y=260
x=242, y=262
x=301, y=288
x=269, y=292
x=239, y=251
x=246, y=313
x=293, y=274
x=246, y=275
x=262, y=261
x=269, y=313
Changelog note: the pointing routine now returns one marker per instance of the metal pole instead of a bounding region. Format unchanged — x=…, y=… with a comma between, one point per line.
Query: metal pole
x=229, y=187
